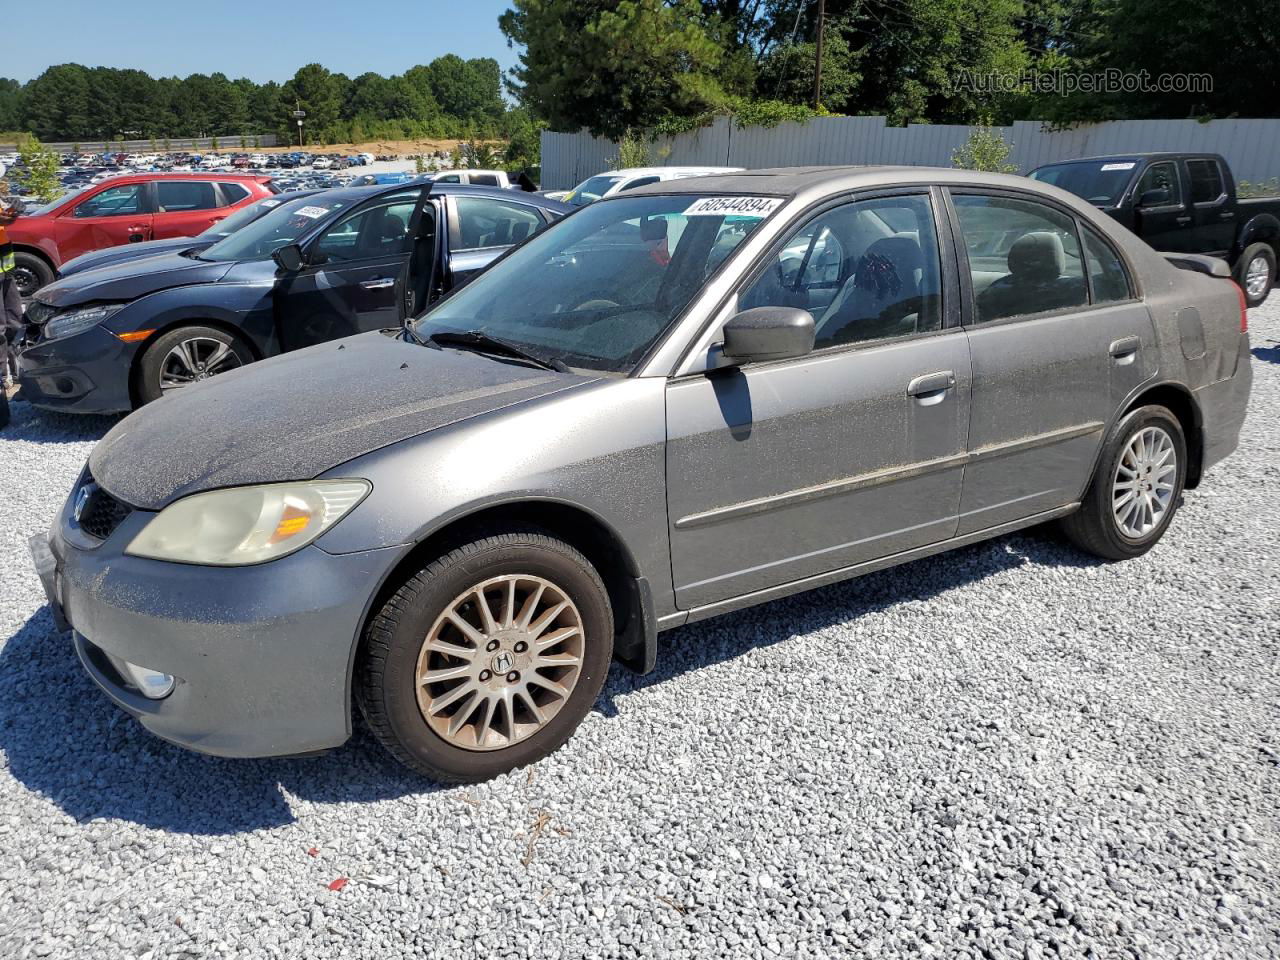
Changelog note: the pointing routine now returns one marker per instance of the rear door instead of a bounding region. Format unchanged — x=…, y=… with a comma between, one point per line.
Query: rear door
x=1058, y=340
x=107, y=217
x=185, y=207
x=353, y=279
x=482, y=228
x=1213, y=208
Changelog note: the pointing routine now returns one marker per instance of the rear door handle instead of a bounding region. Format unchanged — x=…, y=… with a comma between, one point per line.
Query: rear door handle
x=1125, y=349
x=931, y=387
x=378, y=284
x=1184, y=220
x=1229, y=215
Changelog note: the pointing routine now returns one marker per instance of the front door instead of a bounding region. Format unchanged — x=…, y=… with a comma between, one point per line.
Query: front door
x=353, y=278
x=1166, y=223
x=782, y=471
x=1057, y=342
x=107, y=218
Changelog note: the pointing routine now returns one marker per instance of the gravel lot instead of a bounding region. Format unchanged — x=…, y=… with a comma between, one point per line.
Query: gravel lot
x=1008, y=751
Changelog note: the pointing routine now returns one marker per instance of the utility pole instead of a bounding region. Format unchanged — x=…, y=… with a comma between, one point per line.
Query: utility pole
x=299, y=113
x=817, y=60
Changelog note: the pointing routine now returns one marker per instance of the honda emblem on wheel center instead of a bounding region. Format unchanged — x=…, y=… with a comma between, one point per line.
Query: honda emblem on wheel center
x=502, y=662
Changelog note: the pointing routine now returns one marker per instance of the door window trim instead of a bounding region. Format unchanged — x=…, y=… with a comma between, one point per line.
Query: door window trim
x=947, y=279
x=970, y=317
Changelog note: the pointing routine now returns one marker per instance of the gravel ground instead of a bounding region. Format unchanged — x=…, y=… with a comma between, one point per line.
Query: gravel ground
x=1007, y=751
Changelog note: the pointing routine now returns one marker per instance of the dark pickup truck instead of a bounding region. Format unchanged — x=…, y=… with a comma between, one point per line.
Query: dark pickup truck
x=1181, y=203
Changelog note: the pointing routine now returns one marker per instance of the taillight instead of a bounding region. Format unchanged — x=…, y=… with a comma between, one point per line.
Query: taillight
x=1244, y=309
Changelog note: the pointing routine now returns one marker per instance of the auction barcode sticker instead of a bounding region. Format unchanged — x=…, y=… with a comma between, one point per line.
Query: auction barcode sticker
x=733, y=206
x=1118, y=166
x=313, y=213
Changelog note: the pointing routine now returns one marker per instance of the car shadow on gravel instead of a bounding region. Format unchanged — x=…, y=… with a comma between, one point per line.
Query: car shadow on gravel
x=731, y=635
x=63, y=739
x=1267, y=354
x=45, y=426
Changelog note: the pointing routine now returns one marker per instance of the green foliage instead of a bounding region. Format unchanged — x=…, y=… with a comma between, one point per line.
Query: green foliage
x=419, y=165
x=984, y=150
x=524, y=140
x=40, y=173
x=1264, y=188
x=213, y=144
x=613, y=65
x=633, y=151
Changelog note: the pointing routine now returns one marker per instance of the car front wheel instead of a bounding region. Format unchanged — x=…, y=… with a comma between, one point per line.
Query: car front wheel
x=1136, y=489
x=488, y=658
x=185, y=356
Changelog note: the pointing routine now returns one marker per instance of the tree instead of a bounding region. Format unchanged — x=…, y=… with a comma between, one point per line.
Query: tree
x=986, y=149
x=317, y=91
x=40, y=170
x=613, y=65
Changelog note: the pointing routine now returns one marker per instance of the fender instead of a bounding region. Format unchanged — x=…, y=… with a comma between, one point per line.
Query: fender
x=1263, y=227
x=248, y=316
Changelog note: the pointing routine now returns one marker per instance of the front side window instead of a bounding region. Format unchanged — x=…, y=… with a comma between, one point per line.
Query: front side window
x=485, y=222
x=1163, y=178
x=183, y=196
x=1107, y=275
x=591, y=190
x=1206, y=180
x=597, y=289
x=381, y=230
x=638, y=182
x=113, y=202
x=1024, y=257
x=866, y=271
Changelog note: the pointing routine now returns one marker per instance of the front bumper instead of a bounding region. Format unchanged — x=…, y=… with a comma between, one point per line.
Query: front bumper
x=262, y=654
x=84, y=373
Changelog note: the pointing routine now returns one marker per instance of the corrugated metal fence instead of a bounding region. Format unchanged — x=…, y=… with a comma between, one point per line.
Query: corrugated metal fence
x=1252, y=147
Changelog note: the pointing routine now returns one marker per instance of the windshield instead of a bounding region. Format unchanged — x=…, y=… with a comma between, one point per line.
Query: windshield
x=599, y=288
x=1101, y=182
x=44, y=208
x=588, y=191
x=242, y=217
x=279, y=228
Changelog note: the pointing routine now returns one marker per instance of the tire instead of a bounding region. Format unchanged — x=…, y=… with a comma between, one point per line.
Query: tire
x=4, y=408
x=164, y=359
x=1255, y=255
x=405, y=638
x=1095, y=527
x=30, y=273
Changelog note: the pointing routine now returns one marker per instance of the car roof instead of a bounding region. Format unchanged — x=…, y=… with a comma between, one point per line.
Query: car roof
x=1150, y=155
x=664, y=171
x=135, y=177
x=447, y=189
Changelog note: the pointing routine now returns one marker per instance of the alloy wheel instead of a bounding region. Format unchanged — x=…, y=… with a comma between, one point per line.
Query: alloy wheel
x=1257, y=276
x=500, y=662
x=1144, y=482
x=196, y=359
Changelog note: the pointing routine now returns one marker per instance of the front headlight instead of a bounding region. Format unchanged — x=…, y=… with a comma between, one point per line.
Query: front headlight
x=80, y=319
x=244, y=525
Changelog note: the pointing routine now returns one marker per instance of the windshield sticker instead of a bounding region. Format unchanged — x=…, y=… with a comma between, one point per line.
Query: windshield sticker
x=312, y=212
x=754, y=207
x=272, y=203
x=1118, y=166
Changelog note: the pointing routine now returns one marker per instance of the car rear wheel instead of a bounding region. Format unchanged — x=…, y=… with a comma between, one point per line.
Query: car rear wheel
x=188, y=355
x=488, y=658
x=1136, y=489
x=1256, y=272
x=30, y=273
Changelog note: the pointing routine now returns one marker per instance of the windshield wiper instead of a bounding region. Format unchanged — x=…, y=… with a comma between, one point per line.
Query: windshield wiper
x=484, y=342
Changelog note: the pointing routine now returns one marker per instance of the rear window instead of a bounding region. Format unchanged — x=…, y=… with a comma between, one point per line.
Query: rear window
x=1206, y=180
x=233, y=192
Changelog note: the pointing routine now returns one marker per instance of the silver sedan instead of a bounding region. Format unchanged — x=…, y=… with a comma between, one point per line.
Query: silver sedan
x=684, y=400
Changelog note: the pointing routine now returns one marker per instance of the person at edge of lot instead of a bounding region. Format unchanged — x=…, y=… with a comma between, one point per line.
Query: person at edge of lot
x=10, y=301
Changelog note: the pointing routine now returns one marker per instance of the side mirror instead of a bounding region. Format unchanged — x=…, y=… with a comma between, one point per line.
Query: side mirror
x=288, y=258
x=1155, y=198
x=768, y=333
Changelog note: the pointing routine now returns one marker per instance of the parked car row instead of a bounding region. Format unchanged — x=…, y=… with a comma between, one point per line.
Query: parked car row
x=684, y=399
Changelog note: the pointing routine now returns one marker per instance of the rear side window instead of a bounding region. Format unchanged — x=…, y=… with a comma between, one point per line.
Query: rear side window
x=1024, y=257
x=1206, y=180
x=1107, y=275
x=233, y=193
x=485, y=222
x=181, y=196
x=484, y=179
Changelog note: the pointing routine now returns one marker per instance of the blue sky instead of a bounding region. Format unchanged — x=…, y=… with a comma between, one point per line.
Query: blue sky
x=262, y=41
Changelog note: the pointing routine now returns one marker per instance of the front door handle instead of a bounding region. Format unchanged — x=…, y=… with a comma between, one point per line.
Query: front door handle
x=1124, y=350
x=931, y=387
x=1229, y=215
x=1183, y=221
x=381, y=284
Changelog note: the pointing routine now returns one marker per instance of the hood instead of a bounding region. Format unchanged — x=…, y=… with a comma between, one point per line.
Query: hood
x=130, y=251
x=297, y=415
x=131, y=279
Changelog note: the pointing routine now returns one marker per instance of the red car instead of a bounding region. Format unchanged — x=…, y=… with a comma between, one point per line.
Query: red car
x=129, y=209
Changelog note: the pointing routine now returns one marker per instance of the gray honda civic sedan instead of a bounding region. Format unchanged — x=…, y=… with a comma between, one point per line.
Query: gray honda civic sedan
x=681, y=401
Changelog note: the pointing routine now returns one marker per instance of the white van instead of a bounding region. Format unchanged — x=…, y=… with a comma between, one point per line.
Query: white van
x=616, y=181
